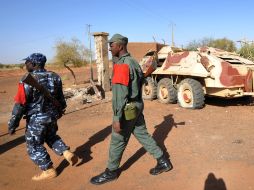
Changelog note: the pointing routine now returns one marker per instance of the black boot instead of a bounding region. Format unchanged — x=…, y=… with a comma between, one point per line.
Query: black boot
x=104, y=177
x=163, y=165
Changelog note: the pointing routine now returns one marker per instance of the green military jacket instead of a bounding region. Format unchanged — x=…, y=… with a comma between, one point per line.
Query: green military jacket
x=126, y=84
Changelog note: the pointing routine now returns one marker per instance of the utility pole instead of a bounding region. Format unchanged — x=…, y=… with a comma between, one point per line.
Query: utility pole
x=172, y=34
x=90, y=50
x=154, y=39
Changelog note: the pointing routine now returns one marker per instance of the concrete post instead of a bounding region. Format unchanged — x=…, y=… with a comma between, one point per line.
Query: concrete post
x=102, y=62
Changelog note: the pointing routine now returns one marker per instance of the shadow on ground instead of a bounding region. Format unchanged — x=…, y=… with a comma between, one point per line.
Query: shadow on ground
x=223, y=102
x=212, y=183
x=12, y=144
x=160, y=134
x=84, y=151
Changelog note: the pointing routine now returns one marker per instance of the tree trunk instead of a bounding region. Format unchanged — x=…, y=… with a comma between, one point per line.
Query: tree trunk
x=72, y=73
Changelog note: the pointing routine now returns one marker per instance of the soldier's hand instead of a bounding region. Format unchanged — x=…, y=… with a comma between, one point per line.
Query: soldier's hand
x=116, y=126
x=11, y=131
x=11, y=127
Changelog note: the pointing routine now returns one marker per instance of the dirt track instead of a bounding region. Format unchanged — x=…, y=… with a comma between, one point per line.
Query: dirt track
x=211, y=148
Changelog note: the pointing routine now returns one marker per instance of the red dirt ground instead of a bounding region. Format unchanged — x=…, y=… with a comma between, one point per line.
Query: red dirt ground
x=211, y=148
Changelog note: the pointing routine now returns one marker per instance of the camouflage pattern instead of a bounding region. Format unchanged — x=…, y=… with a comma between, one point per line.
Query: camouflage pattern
x=36, y=103
x=219, y=73
x=38, y=131
x=41, y=116
x=37, y=59
x=17, y=114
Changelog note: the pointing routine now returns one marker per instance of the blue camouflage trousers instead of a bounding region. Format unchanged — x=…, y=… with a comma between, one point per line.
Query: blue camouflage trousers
x=38, y=131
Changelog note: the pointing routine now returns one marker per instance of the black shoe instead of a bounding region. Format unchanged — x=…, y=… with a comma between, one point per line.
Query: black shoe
x=104, y=177
x=163, y=165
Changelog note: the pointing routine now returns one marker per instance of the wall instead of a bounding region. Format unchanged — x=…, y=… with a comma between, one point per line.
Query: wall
x=139, y=49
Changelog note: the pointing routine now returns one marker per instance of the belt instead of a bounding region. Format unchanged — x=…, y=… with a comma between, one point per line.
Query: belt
x=134, y=100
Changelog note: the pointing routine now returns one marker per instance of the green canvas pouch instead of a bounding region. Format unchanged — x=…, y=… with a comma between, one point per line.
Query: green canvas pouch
x=130, y=111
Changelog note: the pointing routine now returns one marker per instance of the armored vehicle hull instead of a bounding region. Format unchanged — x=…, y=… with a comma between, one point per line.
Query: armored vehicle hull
x=174, y=75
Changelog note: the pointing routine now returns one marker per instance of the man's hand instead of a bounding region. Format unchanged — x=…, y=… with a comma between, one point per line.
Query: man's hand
x=11, y=131
x=11, y=127
x=116, y=126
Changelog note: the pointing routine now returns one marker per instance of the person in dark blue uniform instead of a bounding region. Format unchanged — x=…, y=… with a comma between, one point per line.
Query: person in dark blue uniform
x=41, y=117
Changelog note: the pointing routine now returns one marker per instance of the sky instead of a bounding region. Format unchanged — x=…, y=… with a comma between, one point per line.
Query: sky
x=29, y=26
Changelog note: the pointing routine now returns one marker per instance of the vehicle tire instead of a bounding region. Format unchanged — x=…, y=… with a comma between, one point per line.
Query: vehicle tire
x=149, y=89
x=166, y=92
x=190, y=94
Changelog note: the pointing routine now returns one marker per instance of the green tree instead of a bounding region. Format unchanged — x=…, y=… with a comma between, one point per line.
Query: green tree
x=193, y=45
x=223, y=43
x=247, y=51
x=71, y=53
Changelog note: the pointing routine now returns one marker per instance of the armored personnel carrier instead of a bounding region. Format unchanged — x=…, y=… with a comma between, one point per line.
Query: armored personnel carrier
x=174, y=75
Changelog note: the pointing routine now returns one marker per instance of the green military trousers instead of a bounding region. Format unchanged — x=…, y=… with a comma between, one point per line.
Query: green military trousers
x=119, y=141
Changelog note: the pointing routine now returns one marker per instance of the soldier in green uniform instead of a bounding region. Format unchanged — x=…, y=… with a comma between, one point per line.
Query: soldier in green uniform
x=128, y=115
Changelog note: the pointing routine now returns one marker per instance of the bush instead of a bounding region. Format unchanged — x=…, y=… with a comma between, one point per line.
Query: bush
x=11, y=66
x=247, y=51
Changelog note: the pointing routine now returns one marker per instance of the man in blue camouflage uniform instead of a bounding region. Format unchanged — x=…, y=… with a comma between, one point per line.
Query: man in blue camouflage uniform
x=126, y=95
x=41, y=117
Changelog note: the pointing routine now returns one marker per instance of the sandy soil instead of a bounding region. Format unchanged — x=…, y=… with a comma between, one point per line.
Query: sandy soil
x=211, y=148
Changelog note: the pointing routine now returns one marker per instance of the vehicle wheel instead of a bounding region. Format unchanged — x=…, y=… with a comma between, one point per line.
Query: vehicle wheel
x=190, y=94
x=149, y=89
x=166, y=92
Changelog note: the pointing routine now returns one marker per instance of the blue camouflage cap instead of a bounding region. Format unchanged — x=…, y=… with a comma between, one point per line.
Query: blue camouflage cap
x=119, y=39
x=37, y=59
